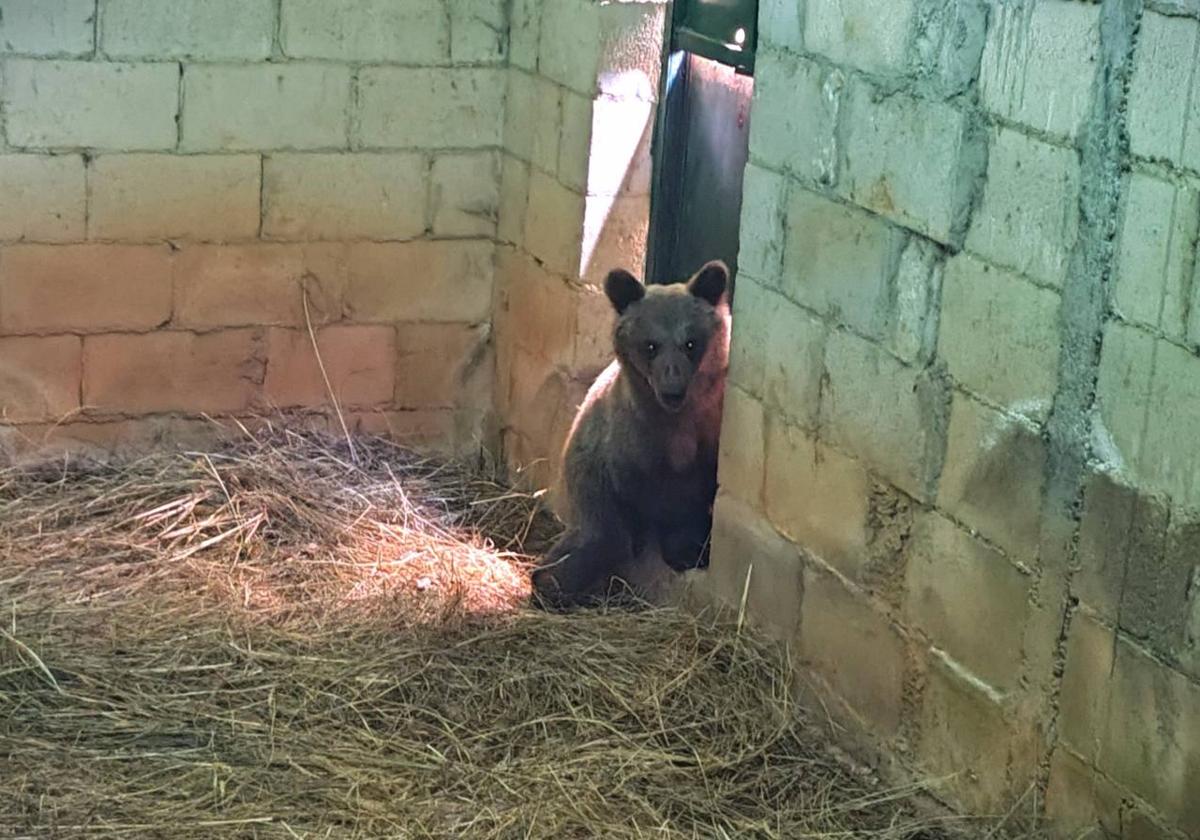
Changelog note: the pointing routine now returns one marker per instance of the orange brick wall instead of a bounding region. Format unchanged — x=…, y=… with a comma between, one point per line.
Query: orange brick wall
x=176, y=179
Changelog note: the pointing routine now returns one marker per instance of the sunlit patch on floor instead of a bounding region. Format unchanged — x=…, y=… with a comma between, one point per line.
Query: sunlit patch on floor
x=279, y=639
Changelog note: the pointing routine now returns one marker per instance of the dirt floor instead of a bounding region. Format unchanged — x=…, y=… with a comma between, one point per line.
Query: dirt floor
x=289, y=637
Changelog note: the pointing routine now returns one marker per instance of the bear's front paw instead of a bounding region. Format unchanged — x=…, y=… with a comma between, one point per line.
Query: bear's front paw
x=684, y=552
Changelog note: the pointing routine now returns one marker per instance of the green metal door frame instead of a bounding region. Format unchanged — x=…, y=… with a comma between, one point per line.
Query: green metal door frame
x=709, y=29
x=721, y=30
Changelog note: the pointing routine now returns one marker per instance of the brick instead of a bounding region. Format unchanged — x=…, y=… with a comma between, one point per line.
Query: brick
x=47, y=27
x=817, y=497
x=1123, y=391
x=257, y=285
x=1160, y=603
x=744, y=546
x=742, y=450
x=874, y=407
x=966, y=739
x=1193, y=324
x=405, y=107
x=1079, y=799
x=265, y=106
x=340, y=196
x=523, y=33
x=553, y=223
x=419, y=281
x=580, y=133
x=615, y=48
x=541, y=405
x=793, y=349
x=838, y=260
x=1155, y=258
x=948, y=42
x=1177, y=583
x=44, y=198
x=915, y=297
x=1141, y=823
x=39, y=378
x=514, y=198
x=211, y=30
x=594, y=321
x=1029, y=217
x=795, y=110
x=1117, y=525
x=84, y=288
x=993, y=475
x=101, y=105
x=911, y=160
x=861, y=33
x=127, y=437
x=465, y=194
x=1176, y=7
x=615, y=232
x=438, y=365
x=505, y=335
x=435, y=430
x=1138, y=720
x=1160, y=122
x=533, y=120
x=1039, y=64
x=1149, y=398
x=752, y=308
x=854, y=648
x=999, y=335
x=478, y=31
x=764, y=230
x=617, y=160
x=780, y=23
x=409, y=31
x=143, y=197
x=173, y=371
x=359, y=361
x=536, y=309
x=968, y=599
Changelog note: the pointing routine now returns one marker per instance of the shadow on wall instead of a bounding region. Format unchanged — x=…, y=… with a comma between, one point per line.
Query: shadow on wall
x=614, y=234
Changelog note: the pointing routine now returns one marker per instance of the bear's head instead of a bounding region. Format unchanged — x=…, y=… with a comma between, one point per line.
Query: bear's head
x=673, y=337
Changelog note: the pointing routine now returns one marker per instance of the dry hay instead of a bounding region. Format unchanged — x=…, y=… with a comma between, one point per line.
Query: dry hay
x=274, y=640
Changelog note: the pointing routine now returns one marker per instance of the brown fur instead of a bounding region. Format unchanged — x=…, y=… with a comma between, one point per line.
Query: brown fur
x=640, y=467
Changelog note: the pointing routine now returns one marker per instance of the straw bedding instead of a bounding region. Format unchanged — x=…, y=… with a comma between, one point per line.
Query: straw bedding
x=284, y=637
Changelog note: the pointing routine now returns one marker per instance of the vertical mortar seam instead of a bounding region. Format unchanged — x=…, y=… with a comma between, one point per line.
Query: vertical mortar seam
x=1103, y=151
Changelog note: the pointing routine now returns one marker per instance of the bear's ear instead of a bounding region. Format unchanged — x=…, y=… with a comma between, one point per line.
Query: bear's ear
x=623, y=289
x=710, y=282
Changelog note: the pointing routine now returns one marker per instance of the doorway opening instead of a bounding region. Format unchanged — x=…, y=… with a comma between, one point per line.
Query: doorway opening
x=701, y=137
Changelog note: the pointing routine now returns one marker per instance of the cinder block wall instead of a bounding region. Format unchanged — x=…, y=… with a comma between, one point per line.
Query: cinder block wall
x=961, y=453
x=575, y=202
x=174, y=175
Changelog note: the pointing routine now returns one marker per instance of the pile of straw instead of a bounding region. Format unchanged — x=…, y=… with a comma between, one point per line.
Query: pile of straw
x=287, y=638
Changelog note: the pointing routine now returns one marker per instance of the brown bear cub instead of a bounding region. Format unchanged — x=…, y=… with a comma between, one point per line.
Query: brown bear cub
x=640, y=467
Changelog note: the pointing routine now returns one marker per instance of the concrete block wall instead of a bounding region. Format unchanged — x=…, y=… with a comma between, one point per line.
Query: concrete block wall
x=958, y=472
x=574, y=203
x=959, y=458
x=176, y=179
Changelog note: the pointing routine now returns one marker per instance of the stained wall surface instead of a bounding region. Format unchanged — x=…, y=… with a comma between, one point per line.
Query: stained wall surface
x=961, y=453
x=178, y=178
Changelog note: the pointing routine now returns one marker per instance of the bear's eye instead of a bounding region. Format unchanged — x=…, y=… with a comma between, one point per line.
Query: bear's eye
x=651, y=348
x=691, y=345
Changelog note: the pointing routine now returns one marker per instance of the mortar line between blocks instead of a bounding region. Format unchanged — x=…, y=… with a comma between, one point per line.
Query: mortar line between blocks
x=95, y=30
